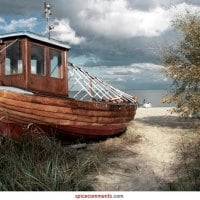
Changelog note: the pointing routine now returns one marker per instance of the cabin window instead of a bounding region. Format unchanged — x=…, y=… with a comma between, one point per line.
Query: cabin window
x=37, y=60
x=13, y=62
x=56, y=64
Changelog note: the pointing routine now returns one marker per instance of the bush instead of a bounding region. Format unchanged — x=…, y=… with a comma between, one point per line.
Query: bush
x=188, y=171
x=182, y=66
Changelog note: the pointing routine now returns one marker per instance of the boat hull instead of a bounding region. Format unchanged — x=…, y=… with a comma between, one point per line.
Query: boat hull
x=64, y=116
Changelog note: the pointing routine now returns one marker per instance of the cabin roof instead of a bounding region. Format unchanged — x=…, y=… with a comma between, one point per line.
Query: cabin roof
x=35, y=37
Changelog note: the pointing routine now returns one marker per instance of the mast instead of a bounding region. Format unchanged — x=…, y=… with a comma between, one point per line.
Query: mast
x=48, y=12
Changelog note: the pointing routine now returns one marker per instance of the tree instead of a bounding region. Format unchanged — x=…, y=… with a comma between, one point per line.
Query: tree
x=182, y=65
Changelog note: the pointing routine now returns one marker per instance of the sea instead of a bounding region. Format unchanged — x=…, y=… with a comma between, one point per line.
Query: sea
x=152, y=96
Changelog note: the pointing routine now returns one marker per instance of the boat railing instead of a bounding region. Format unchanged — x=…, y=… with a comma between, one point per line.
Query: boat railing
x=90, y=88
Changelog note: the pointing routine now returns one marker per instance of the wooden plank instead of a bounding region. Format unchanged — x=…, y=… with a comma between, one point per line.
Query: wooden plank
x=17, y=119
x=49, y=114
x=48, y=120
x=66, y=102
x=65, y=110
x=58, y=116
x=10, y=129
x=91, y=131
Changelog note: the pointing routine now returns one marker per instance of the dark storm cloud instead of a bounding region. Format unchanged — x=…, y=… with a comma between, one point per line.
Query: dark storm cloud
x=142, y=5
x=124, y=52
x=150, y=4
x=19, y=7
x=106, y=33
x=72, y=7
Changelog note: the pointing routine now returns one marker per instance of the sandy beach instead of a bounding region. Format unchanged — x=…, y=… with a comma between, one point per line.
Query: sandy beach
x=150, y=163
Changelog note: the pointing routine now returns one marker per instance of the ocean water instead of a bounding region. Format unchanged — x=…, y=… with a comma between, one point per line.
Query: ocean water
x=152, y=96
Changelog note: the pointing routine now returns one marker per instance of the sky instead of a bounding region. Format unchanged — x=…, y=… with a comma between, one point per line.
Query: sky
x=120, y=41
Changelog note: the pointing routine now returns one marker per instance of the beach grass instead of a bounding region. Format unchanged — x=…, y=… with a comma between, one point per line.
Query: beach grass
x=37, y=162
x=42, y=164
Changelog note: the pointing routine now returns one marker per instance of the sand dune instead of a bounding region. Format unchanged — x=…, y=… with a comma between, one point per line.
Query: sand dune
x=149, y=164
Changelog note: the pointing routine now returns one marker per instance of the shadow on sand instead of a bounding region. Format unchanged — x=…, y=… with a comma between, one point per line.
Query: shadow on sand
x=170, y=121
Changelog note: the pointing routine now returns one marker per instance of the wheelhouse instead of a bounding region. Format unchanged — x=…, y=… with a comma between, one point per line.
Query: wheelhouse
x=33, y=62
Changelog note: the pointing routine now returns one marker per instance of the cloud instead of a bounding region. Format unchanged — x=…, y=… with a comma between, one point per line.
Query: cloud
x=134, y=70
x=123, y=71
x=115, y=19
x=134, y=76
x=124, y=36
x=14, y=25
x=147, y=66
x=144, y=5
x=119, y=79
x=62, y=31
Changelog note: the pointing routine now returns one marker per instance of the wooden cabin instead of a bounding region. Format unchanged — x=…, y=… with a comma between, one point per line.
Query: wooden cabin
x=33, y=62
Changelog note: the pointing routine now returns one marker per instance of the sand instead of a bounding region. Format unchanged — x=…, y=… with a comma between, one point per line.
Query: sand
x=148, y=165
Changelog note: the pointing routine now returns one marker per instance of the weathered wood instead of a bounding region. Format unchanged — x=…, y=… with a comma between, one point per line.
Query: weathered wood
x=92, y=131
x=27, y=80
x=50, y=120
x=10, y=129
x=71, y=103
x=61, y=116
x=65, y=110
x=65, y=120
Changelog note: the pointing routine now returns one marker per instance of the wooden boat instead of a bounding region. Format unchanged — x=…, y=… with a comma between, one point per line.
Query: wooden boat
x=35, y=84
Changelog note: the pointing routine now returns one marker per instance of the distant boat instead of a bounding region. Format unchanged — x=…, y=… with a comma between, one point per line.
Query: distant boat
x=147, y=105
x=36, y=79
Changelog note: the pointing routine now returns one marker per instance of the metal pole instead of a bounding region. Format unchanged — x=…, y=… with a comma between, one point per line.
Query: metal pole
x=47, y=12
x=91, y=92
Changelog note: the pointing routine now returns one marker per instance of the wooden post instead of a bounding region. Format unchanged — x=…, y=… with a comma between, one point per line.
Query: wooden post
x=26, y=61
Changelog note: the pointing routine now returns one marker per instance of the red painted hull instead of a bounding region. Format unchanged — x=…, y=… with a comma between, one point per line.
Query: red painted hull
x=90, y=132
x=70, y=132
x=11, y=129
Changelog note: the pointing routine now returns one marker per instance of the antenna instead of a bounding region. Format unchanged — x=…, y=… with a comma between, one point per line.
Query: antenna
x=48, y=12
